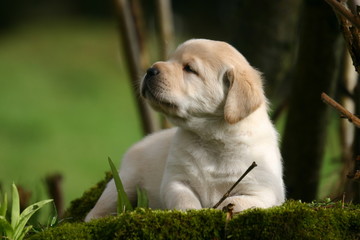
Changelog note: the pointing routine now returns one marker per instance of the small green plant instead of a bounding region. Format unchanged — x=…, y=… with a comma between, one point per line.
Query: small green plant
x=16, y=229
x=142, y=198
x=123, y=200
x=52, y=221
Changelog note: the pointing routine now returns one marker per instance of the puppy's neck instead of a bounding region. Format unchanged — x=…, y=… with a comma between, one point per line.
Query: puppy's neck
x=218, y=130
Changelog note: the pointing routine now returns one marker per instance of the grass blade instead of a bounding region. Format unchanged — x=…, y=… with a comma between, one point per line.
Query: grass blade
x=23, y=233
x=142, y=198
x=26, y=215
x=3, y=206
x=15, y=210
x=55, y=218
x=123, y=201
x=5, y=227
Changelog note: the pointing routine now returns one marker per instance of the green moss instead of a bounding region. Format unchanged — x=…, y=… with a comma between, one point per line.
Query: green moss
x=80, y=207
x=296, y=220
x=293, y=220
x=144, y=224
x=65, y=231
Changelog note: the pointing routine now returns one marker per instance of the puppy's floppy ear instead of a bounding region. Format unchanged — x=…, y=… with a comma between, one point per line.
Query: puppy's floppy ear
x=245, y=94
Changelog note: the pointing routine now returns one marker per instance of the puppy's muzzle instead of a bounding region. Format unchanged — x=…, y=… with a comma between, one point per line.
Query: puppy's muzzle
x=149, y=80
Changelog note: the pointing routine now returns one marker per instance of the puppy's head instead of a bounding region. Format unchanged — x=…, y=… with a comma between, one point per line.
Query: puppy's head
x=204, y=79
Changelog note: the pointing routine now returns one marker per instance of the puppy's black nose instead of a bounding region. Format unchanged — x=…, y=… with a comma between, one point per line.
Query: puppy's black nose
x=149, y=81
x=152, y=72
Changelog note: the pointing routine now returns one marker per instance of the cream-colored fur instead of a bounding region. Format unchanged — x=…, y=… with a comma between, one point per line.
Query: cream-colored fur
x=216, y=100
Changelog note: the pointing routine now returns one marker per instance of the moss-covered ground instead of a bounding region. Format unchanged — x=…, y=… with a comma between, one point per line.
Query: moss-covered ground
x=292, y=220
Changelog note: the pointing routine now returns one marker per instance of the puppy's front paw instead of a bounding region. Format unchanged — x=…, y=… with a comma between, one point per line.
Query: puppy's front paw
x=185, y=205
x=243, y=202
x=229, y=206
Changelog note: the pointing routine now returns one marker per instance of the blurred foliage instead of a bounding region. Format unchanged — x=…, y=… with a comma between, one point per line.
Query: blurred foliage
x=16, y=11
x=65, y=101
x=65, y=104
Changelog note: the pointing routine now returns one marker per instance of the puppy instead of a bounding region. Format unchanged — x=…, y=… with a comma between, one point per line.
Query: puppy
x=216, y=100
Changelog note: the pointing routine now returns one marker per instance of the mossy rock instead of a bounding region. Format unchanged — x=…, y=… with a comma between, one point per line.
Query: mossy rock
x=293, y=220
x=81, y=206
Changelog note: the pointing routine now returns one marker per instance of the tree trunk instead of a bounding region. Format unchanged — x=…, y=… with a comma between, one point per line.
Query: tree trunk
x=347, y=128
x=355, y=185
x=267, y=38
x=316, y=71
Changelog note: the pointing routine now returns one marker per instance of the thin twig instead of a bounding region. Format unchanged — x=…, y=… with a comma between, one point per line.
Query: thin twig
x=226, y=195
x=343, y=11
x=351, y=117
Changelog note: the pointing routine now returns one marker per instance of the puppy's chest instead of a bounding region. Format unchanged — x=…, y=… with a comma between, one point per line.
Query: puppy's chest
x=212, y=167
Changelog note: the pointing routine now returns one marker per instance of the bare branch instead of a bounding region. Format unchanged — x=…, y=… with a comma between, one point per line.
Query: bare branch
x=343, y=11
x=350, y=27
x=226, y=195
x=351, y=117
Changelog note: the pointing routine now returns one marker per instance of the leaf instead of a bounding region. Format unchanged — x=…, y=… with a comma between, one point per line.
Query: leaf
x=3, y=206
x=54, y=219
x=123, y=201
x=23, y=233
x=15, y=210
x=5, y=227
x=142, y=198
x=26, y=215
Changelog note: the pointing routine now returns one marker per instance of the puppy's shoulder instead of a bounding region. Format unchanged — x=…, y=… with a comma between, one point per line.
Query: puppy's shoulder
x=153, y=145
x=165, y=135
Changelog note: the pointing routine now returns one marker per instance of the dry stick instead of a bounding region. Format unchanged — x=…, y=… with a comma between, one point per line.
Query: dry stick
x=139, y=24
x=253, y=165
x=54, y=187
x=342, y=10
x=166, y=27
x=351, y=117
x=131, y=48
x=24, y=196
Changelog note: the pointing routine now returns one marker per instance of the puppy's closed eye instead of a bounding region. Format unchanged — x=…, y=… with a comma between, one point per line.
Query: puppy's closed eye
x=189, y=69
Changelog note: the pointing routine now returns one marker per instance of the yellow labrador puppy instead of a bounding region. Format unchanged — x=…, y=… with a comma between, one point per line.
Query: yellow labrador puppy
x=216, y=100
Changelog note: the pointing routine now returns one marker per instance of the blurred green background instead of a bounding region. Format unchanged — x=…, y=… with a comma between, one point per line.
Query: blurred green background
x=65, y=99
x=65, y=104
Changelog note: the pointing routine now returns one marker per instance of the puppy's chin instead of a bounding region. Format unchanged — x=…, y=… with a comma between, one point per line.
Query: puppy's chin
x=159, y=103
